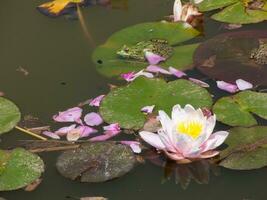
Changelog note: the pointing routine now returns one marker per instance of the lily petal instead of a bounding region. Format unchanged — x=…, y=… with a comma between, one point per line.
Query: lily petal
x=73, y=135
x=96, y=101
x=51, y=135
x=177, y=10
x=157, y=69
x=130, y=76
x=112, y=127
x=107, y=135
x=174, y=156
x=86, y=131
x=176, y=72
x=209, y=154
x=70, y=115
x=148, y=109
x=215, y=140
x=93, y=119
x=64, y=130
x=227, y=86
x=134, y=145
x=199, y=82
x=243, y=85
x=153, y=59
x=152, y=139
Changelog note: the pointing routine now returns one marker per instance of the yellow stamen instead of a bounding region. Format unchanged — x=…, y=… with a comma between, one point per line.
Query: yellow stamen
x=192, y=128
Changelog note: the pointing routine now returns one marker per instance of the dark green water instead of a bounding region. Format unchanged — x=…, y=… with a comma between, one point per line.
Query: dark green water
x=61, y=74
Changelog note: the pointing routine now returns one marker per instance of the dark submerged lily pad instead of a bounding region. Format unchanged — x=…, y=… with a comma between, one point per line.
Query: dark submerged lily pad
x=18, y=168
x=122, y=105
x=247, y=148
x=9, y=115
x=110, y=64
x=227, y=57
x=96, y=162
x=238, y=110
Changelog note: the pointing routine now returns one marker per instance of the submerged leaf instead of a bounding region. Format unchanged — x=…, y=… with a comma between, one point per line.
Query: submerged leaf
x=123, y=104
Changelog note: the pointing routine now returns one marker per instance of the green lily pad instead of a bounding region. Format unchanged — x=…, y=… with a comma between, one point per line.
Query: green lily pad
x=110, y=64
x=238, y=110
x=96, y=162
x=18, y=168
x=9, y=115
x=235, y=11
x=122, y=105
x=247, y=148
x=227, y=57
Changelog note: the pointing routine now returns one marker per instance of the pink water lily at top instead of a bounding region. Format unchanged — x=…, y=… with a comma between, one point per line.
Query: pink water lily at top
x=187, y=135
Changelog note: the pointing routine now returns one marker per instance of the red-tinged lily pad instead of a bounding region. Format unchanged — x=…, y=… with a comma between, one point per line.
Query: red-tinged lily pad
x=109, y=63
x=230, y=56
x=236, y=11
x=9, y=115
x=247, y=148
x=238, y=110
x=18, y=168
x=96, y=162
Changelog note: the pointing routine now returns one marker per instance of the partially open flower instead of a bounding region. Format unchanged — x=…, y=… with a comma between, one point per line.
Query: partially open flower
x=187, y=135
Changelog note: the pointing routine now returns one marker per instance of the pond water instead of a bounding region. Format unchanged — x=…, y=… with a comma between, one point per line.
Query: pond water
x=57, y=56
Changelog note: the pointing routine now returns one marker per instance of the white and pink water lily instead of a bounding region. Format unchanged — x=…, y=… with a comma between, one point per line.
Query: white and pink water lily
x=187, y=135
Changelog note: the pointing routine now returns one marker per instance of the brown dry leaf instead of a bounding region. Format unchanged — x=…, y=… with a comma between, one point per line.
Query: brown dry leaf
x=33, y=185
x=2, y=94
x=22, y=70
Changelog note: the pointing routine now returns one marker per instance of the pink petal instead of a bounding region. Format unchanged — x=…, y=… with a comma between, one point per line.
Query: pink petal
x=86, y=131
x=174, y=156
x=51, y=135
x=157, y=69
x=128, y=76
x=243, y=85
x=215, y=140
x=96, y=101
x=209, y=154
x=107, y=135
x=112, y=127
x=93, y=119
x=148, y=109
x=153, y=59
x=135, y=146
x=73, y=135
x=70, y=115
x=227, y=86
x=199, y=82
x=64, y=130
x=176, y=72
x=177, y=10
x=142, y=73
x=152, y=139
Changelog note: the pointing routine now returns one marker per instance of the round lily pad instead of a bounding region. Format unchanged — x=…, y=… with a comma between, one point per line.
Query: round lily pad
x=18, y=168
x=96, y=162
x=110, y=64
x=9, y=115
x=122, y=105
x=228, y=57
x=238, y=110
x=236, y=11
x=247, y=148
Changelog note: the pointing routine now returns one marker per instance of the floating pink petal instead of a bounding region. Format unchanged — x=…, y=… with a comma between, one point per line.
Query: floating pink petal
x=112, y=127
x=199, y=82
x=243, y=85
x=70, y=115
x=135, y=146
x=93, y=119
x=86, y=131
x=51, y=135
x=227, y=86
x=157, y=69
x=96, y=101
x=107, y=135
x=132, y=75
x=153, y=58
x=73, y=135
x=148, y=109
x=64, y=130
x=176, y=72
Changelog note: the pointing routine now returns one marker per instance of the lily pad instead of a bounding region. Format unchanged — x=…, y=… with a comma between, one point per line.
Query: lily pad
x=238, y=110
x=236, y=11
x=122, y=105
x=9, y=115
x=110, y=64
x=18, y=168
x=96, y=162
x=247, y=148
x=227, y=57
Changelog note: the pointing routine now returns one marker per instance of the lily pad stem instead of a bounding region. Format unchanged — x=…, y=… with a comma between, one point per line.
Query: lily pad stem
x=30, y=133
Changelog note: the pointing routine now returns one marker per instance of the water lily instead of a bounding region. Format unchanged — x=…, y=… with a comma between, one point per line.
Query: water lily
x=93, y=119
x=130, y=76
x=148, y=109
x=70, y=115
x=96, y=101
x=187, y=135
x=153, y=58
